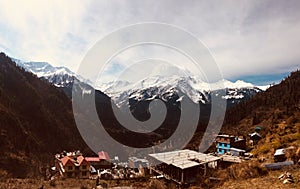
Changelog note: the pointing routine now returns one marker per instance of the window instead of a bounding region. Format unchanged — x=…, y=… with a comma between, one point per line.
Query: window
x=84, y=167
x=70, y=168
x=84, y=173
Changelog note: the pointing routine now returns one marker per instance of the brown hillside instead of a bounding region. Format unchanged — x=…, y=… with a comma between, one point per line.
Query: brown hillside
x=277, y=110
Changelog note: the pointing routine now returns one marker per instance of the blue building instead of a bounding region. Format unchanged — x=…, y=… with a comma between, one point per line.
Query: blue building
x=223, y=147
x=226, y=142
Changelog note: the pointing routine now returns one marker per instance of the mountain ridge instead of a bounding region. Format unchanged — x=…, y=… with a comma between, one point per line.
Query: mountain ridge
x=62, y=77
x=33, y=128
x=191, y=87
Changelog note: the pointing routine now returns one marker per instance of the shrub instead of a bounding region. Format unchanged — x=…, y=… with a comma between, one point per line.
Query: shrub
x=246, y=170
x=83, y=187
x=156, y=184
x=52, y=183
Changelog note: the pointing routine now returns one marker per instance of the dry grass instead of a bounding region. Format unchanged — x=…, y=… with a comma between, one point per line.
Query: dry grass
x=244, y=170
x=36, y=184
x=66, y=184
x=246, y=175
x=269, y=180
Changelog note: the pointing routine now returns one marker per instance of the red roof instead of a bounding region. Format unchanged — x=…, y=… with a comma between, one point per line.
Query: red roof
x=66, y=160
x=81, y=160
x=103, y=156
x=92, y=159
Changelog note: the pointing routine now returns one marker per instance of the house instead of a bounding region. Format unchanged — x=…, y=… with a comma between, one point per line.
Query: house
x=72, y=166
x=225, y=142
x=237, y=152
x=135, y=163
x=280, y=154
x=255, y=137
x=101, y=162
x=139, y=165
x=182, y=166
x=258, y=128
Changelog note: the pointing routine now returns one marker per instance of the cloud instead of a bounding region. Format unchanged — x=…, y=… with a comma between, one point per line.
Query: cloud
x=245, y=37
x=38, y=30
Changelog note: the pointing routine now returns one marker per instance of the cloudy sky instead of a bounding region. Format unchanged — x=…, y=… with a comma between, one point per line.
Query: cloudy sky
x=257, y=41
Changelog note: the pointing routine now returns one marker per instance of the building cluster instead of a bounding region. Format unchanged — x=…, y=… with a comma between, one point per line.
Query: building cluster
x=181, y=166
x=72, y=165
x=75, y=165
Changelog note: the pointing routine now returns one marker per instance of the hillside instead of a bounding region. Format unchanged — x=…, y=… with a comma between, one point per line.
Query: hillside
x=277, y=110
x=36, y=121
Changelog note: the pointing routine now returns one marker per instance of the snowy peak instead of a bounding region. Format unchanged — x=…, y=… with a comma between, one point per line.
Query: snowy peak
x=43, y=69
x=59, y=76
x=166, y=87
x=239, y=84
x=155, y=86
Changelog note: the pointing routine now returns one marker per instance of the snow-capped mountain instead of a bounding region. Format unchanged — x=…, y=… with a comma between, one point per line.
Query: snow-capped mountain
x=166, y=87
x=59, y=76
x=153, y=87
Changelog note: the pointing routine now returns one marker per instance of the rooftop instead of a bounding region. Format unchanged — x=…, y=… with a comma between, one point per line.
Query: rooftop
x=237, y=150
x=279, y=152
x=254, y=134
x=226, y=136
x=135, y=159
x=103, y=155
x=184, y=158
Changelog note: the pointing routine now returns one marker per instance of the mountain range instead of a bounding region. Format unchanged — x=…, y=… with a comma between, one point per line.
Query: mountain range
x=146, y=89
x=37, y=119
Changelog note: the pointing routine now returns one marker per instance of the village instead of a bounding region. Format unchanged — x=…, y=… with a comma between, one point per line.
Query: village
x=181, y=167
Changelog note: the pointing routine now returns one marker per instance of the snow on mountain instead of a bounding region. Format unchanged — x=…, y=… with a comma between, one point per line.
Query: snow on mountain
x=264, y=87
x=165, y=87
x=43, y=69
x=59, y=76
x=154, y=86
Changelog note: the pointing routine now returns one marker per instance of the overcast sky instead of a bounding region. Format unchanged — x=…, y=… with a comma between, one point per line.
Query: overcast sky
x=254, y=40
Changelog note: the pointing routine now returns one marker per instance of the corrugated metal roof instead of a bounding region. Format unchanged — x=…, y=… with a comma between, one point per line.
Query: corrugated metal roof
x=184, y=158
x=278, y=165
x=237, y=150
x=283, y=150
x=279, y=152
x=255, y=134
x=230, y=158
x=135, y=159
